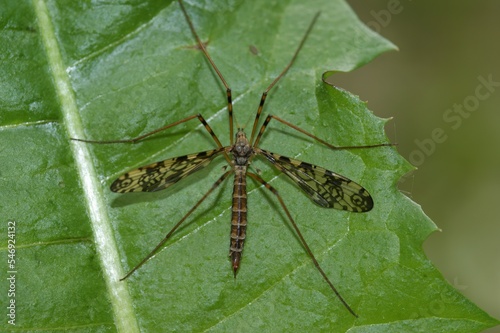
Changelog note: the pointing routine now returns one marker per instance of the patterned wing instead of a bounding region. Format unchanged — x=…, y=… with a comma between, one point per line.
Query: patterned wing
x=158, y=176
x=324, y=187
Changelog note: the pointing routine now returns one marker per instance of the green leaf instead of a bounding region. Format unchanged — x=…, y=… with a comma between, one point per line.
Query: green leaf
x=115, y=70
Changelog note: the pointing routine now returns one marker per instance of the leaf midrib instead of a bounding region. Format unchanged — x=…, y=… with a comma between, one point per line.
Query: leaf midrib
x=106, y=248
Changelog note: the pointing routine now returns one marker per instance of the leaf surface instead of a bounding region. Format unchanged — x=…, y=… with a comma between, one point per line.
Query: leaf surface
x=116, y=70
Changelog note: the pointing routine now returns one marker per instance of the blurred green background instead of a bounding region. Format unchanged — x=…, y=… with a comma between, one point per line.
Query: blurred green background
x=444, y=48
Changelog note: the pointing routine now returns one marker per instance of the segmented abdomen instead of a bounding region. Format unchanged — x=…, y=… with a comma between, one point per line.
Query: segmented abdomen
x=239, y=216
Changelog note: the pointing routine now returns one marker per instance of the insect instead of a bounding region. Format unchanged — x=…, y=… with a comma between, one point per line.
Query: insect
x=325, y=188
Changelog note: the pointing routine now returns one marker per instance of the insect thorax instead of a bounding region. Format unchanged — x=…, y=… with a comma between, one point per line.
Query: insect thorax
x=241, y=150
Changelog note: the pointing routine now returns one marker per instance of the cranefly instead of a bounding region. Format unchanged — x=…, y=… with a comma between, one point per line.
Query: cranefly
x=325, y=188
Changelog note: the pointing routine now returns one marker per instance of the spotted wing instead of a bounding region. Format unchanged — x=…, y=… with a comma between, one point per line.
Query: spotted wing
x=324, y=187
x=158, y=176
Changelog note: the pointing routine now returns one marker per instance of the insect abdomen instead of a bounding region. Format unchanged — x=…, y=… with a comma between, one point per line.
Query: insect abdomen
x=239, y=216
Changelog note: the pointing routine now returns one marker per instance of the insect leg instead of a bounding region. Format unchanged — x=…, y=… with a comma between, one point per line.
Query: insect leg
x=170, y=233
x=139, y=138
x=269, y=117
x=302, y=240
x=219, y=74
x=264, y=95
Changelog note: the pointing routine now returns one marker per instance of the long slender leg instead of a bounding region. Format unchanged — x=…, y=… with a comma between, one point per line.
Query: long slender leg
x=152, y=253
x=139, y=138
x=202, y=47
x=269, y=117
x=264, y=95
x=302, y=240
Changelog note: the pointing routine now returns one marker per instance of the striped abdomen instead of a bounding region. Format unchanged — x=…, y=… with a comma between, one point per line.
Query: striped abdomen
x=239, y=216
